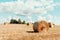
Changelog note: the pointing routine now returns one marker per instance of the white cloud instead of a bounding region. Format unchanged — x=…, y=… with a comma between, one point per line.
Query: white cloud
x=41, y=18
x=9, y=17
x=19, y=7
x=31, y=6
x=48, y=18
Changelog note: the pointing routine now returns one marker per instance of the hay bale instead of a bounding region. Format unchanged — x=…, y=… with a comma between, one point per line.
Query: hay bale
x=40, y=26
x=51, y=25
x=27, y=24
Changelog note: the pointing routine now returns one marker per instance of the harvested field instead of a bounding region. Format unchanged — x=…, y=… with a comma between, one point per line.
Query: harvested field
x=24, y=32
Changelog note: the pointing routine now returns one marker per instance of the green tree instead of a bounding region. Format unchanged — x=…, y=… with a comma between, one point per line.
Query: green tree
x=13, y=21
x=19, y=21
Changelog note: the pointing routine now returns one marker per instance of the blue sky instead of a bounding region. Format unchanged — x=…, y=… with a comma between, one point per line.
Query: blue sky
x=7, y=0
x=30, y=10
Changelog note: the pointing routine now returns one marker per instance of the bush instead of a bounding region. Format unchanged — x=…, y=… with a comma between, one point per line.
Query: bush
x=13, y=21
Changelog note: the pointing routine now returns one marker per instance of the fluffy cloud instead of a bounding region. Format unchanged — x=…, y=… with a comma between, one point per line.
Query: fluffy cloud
x=28, y=7
x=50, y=18
x=46, y=18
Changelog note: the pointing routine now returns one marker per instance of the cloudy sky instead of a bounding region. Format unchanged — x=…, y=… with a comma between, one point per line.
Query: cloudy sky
x=30, y=10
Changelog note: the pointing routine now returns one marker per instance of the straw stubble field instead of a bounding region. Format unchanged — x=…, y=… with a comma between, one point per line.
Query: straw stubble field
x=24, y=32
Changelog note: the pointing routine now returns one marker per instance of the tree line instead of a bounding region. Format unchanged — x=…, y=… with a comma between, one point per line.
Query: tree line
x=14, y=21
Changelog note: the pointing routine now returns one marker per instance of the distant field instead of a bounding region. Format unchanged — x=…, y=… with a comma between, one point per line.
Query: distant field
x=24, y=32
